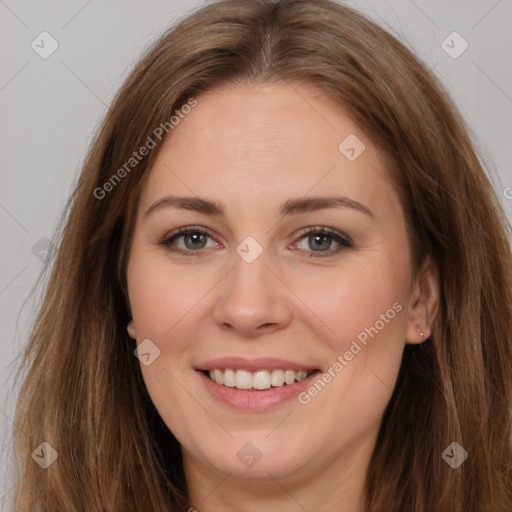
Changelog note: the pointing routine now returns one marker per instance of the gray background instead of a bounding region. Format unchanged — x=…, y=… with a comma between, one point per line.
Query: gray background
x=50, y=107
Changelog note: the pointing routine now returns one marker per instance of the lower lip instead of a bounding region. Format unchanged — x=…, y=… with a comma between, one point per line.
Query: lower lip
x=255, y=400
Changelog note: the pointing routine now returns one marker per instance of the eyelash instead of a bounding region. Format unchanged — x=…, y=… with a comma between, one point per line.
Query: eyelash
x=343, y=240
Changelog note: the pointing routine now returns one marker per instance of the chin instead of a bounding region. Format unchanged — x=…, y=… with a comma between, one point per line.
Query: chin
x=259, y=459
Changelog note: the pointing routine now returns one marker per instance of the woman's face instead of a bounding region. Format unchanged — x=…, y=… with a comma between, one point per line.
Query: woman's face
x=253, y=293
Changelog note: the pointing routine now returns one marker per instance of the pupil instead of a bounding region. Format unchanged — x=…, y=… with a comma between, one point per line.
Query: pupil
x=324, y=238
x=195, y=237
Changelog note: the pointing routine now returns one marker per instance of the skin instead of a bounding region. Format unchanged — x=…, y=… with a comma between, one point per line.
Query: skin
x=252, y=148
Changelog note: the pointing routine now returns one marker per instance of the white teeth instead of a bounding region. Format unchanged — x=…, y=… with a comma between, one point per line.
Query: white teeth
x=243, y=379
x=228, y=379
x=289, y=376
x=301, y=375
x=277, y=378
x=262, y=379
x=219, y=377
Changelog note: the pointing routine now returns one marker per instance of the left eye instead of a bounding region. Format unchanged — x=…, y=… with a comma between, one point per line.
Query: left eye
x=318, y=240
x=193, y=239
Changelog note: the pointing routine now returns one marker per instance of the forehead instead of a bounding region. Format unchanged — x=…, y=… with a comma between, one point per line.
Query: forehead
x=253, y=145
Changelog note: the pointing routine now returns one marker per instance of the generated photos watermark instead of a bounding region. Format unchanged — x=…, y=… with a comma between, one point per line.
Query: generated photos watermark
x=355, y=348
x=152, y=141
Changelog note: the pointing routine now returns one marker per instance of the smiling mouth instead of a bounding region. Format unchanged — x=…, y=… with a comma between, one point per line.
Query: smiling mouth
x=259, y=380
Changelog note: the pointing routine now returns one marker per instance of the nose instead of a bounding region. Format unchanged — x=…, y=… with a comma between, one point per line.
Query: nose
x=252, y=300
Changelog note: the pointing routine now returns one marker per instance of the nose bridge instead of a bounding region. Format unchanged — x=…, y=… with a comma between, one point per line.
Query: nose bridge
x=249, y=279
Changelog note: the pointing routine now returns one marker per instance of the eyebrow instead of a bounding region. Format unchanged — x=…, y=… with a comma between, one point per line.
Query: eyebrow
x=290, y=207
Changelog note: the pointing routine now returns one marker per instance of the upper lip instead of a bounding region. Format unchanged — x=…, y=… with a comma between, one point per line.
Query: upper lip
x=253, y=365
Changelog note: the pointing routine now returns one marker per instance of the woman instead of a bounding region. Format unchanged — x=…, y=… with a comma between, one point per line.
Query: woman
x=283, y=283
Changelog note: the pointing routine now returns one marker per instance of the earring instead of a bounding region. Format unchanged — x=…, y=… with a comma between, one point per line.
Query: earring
x=423, y=341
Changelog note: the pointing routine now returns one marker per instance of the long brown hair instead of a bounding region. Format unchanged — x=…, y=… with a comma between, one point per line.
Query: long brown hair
x=83, y=392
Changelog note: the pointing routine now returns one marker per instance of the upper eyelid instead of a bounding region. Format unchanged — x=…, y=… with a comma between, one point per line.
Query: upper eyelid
x=302, y=232
x=322, y=230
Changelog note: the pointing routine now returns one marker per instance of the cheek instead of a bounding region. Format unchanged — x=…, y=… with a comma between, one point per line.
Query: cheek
x=359, y=297
x=163, y=297
x=360, y=316
x=164, y=303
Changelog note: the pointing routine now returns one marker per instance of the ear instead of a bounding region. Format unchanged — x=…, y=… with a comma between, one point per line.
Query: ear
x=131, y=329
x=423, y=303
